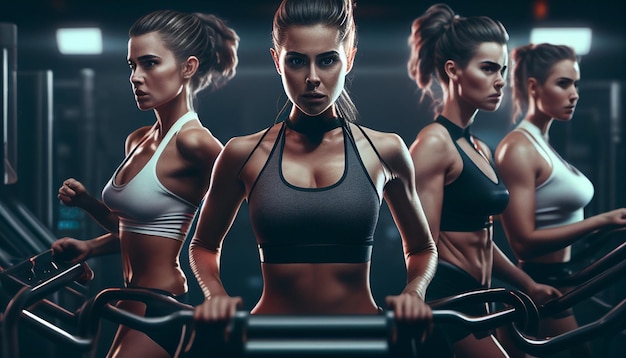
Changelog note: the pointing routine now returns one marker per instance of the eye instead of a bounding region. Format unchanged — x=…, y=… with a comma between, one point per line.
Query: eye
x=149, y=63
x=564, y=83
x=294, y=61
x=490, y=68
x=328, y=61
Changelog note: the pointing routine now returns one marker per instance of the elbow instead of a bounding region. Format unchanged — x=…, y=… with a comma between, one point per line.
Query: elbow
x=429, y=250
x=523, y=248
x=198, y=244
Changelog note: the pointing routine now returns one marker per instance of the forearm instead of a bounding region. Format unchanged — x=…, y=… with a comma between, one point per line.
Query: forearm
x=204, y=263
x=545, y=241
x=421, y=267
x=506, y=271
x=101, y=214
x=104, y=245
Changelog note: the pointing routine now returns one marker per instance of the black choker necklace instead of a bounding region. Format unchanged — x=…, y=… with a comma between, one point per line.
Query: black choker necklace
x=313, y=126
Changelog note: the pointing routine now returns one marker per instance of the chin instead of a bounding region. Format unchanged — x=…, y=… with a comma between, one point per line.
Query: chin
x=144, y=107
x=490, y=107
x=312, y=112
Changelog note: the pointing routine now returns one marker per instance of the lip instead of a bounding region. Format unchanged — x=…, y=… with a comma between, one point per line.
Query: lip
x=140, y=93
x=313, y=96
x=496, y=98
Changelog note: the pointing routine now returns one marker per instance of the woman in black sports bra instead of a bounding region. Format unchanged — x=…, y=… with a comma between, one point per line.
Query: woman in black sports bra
x=458, y=186
x=314, y=184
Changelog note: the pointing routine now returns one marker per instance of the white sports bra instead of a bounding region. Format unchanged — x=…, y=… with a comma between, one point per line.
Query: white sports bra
x=561, y=199
x=144, y=205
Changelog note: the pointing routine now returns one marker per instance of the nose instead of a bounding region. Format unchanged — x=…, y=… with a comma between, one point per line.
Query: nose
x=313, y=79
x=573, y=98
x=500, y=81
x=135, y=77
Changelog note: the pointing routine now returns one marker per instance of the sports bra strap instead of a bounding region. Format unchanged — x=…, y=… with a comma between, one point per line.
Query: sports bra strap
x=254, y=149
x=371, y=143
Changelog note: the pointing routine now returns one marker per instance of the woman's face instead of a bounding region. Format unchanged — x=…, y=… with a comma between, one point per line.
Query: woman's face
x=558, y=96
x=156, y=76
x=313, y=65
x=481, y=82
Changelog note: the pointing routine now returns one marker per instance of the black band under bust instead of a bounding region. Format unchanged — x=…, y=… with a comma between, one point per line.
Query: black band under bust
x=333, y=224
x=470, y=201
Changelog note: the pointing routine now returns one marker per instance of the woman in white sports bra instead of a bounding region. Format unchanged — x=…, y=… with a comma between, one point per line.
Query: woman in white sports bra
x=148, y=204
x=545, y=214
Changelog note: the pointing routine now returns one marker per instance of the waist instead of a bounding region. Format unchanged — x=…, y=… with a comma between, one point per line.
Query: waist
x=316, y=289
x=315, y=253
x=547, y=272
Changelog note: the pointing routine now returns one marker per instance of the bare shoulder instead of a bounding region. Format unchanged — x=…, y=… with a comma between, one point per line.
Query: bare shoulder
x=433, y=149
x=514, y=148
x=135, y=137
x=385, y=142
x=433, y=138
x=516, y=157
x=239, y=148
x=197, y=144
x=392, y=150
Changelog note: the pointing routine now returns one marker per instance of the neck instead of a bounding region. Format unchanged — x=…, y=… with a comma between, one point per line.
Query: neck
x=313, y=126
x=456, y=109
x=170, y=112
x=540, y=121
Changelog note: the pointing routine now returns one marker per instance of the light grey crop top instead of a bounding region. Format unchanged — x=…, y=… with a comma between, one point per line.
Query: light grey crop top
x=561, y=199
x=144, y=205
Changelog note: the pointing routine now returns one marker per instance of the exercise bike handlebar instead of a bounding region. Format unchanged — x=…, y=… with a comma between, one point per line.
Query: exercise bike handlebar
x=331, y=333
x=272, y=328
x=584, y=291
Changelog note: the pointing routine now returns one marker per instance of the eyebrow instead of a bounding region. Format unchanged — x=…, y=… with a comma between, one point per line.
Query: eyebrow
x=491, y=63
x=144, y=58
x=324, y=54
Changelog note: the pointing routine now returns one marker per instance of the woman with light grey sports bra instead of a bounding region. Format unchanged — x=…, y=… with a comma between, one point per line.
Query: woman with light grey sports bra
x=545, y=214
x=149, y=203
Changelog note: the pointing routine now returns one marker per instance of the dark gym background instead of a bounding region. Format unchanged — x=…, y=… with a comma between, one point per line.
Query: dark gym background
x=74, y=112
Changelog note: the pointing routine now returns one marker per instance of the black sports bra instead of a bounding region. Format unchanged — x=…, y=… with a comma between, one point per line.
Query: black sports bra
x=333, y=224
x=470, y=201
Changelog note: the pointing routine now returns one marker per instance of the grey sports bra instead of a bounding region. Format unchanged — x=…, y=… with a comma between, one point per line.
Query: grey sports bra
x=333, y=224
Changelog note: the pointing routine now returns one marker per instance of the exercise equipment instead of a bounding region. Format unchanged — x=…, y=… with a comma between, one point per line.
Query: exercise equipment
x=31, y=283
x=593, y=254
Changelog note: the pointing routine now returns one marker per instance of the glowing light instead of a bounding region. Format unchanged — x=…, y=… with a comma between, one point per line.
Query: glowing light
x=579, y=38
x=79, y=41
x=540, y=9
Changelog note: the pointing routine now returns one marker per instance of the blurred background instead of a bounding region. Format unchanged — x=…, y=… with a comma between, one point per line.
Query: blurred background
x=67, y=115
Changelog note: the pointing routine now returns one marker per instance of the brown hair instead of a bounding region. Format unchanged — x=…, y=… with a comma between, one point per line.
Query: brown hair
x=334, y=13
x=440, y=35
x=204, y=36
x=534, y=61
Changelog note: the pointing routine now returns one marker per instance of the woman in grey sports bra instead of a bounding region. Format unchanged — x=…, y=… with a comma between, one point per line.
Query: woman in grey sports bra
x=150, y=201
x=545, y=215
x=456, y=181
x=314, y=183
